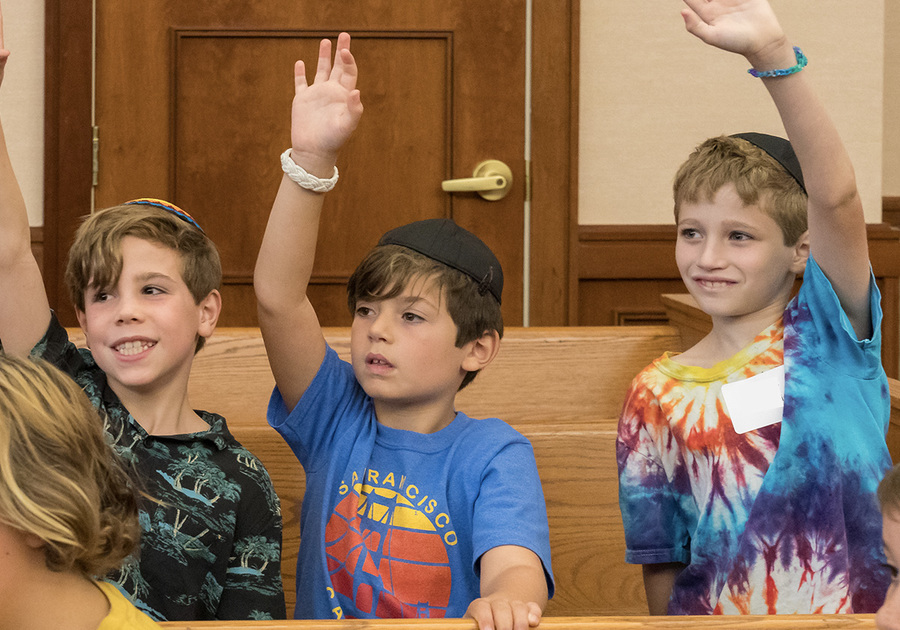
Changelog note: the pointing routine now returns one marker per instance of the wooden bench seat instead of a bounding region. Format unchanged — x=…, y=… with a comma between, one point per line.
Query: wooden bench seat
x=771, y=622
x=561, y=387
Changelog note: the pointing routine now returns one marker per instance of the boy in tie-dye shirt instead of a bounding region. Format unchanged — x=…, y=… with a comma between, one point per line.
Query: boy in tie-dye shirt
x=745, y=488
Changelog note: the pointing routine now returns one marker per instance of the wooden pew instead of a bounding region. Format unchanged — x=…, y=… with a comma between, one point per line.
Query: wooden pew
x=561, y=387
x=772, y=622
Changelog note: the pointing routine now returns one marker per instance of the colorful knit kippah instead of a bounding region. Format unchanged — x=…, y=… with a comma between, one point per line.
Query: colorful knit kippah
x=165, y=205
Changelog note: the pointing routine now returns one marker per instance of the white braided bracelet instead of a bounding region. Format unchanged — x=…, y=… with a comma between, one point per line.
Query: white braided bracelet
x=304, y=179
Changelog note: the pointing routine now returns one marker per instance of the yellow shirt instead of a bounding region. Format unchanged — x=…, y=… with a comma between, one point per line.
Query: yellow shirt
x=122, y=613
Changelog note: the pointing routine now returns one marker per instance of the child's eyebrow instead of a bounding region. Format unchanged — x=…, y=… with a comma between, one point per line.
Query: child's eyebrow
x=154, y=275
x=412, y=300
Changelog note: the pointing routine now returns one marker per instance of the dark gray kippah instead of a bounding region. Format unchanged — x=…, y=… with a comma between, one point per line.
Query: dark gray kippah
x=778, y=148
x=444, y=241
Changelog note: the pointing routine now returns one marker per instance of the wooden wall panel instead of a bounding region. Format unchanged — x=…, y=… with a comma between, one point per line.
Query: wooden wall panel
x=890, y=211
x=553, y=176
x=623, y=270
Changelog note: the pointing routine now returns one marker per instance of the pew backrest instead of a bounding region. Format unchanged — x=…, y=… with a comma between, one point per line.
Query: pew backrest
x=560, y=387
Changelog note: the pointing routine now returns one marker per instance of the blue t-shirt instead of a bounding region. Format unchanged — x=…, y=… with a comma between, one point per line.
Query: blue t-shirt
x=394, y=522
x=781, y=519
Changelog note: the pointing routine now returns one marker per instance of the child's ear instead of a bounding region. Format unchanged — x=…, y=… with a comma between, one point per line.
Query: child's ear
x=801, y=254
x=210, y=309
x=82, y=323
x=34, y=541
x=482, y=351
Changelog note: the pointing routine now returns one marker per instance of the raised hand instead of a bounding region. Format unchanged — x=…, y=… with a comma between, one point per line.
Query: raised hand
x=324, y=114
x=746, y=27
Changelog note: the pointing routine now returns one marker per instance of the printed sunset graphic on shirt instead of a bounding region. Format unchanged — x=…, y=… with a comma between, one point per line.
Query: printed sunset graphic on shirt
x=386, y=557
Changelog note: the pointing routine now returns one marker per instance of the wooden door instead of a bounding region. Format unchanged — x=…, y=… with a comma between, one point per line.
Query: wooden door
x=552, y=187
x=193, y=104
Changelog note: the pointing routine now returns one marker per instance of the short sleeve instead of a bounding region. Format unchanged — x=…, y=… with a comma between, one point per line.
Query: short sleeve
x=655, y=530
x=510, y=508
x=323, y=414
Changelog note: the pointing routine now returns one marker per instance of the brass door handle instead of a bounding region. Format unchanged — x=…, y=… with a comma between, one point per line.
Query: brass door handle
x=491, y=179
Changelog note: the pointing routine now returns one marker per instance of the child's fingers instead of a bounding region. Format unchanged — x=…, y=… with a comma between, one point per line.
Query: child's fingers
x=695, y=6
x=323, y=67
x=504, y=615
x=344, y=70
x=348, y=71
x=480, y=611
x=693, y=23
x=299, y=76
x=534, y=614
x=354, y=103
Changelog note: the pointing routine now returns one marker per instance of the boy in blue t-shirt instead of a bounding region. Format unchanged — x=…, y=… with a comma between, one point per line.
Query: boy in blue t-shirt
x=411, y=508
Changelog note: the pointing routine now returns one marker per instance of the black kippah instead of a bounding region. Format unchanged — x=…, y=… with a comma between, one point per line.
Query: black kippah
x=778, y=148
x=444, y=241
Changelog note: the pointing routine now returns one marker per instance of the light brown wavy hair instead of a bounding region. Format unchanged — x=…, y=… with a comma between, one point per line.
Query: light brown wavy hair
x=95, y=258
x=758, y=179
x=59, y=479
x=889, y=493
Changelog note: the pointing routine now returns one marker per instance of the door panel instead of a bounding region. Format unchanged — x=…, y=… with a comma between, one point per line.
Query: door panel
x=193, y=106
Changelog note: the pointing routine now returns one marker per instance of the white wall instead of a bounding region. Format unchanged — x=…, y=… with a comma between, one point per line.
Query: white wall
x=892, y=98
x=650, y=92
x=22, y=99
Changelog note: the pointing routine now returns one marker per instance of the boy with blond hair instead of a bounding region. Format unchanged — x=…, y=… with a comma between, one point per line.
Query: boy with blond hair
x=412, y=509
x=144, y=280
x=748, y=463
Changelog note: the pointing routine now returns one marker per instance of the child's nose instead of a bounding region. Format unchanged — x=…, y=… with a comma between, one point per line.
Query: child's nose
x=129, y=309
x=711, y=254
x=380, y=327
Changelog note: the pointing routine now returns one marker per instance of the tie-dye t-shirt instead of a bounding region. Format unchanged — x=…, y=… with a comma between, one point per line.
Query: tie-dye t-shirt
x=781, y=519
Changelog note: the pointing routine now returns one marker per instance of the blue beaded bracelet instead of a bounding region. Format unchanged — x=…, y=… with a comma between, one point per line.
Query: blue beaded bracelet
x=801, y=63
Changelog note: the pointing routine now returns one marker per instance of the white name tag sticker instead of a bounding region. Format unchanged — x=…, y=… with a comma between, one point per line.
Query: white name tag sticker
x=757, y=401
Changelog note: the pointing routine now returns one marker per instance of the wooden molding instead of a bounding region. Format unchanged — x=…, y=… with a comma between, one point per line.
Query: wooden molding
x=890, y=211
x=625, y=269
x=554, y=162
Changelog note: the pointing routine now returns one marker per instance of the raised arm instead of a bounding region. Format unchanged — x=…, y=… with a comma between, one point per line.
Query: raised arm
x=837, y=229
x=24, y=310
x=323, y=116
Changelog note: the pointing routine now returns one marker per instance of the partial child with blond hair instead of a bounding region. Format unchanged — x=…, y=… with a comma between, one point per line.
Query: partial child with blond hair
x=68, y=510
x=144, y=279
x=748, y=463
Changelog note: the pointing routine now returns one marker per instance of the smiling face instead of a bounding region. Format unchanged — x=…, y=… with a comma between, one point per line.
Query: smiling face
x=403, y=349
x=143, y=331
x=733, y=259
